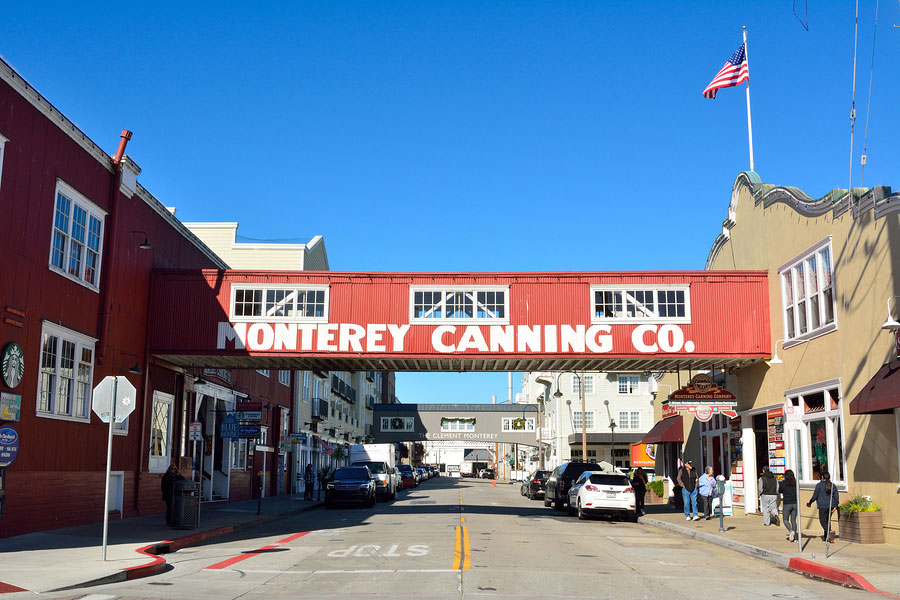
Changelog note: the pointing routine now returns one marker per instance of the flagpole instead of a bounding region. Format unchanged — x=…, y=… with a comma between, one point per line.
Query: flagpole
x=749, y=122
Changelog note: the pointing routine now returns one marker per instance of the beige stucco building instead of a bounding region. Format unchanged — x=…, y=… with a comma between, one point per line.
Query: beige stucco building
x=833, y=277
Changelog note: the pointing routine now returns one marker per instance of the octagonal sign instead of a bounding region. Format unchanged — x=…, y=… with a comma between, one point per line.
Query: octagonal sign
x=115, y=392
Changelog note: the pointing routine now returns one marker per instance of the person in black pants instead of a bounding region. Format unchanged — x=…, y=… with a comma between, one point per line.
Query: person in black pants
x=639, y=483
x=168, y=489
x=827, y=499
x=309, y=479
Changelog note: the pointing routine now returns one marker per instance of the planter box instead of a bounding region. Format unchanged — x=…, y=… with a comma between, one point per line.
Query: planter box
x=652, y=498
x=862, y=527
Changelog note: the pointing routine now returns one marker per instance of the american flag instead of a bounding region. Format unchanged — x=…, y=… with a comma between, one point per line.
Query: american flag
x=735, y=72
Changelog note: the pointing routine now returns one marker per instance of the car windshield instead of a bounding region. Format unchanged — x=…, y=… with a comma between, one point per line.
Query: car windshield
x=352, y=473
x=542, y=475
x=374, y=467
x=600, y=479
x=405, y=469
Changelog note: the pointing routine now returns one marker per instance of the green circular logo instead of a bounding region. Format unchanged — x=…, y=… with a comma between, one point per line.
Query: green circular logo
x=12, y=364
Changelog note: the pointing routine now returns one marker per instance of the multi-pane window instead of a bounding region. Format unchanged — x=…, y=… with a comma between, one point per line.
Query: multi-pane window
x=430, y=305
x=588, y=421
x=239, y=454
x=629, y=419
x=75, y=245
x=629, y=384
x=518, y=424
x=284, y=377
x=397, y=423
x=160, y=432
x=820, y=441
x=306, y=387
x=280, y=303
x=66, y=373
x=263, y=372
x=588, y=384
x=807, y=284
x=633, y=304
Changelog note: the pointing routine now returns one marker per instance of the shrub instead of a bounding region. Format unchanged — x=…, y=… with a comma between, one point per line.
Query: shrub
x=858, y=504
x=657, y=486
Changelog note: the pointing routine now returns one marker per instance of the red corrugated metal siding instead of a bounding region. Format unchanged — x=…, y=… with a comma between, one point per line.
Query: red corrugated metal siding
x=729, y=310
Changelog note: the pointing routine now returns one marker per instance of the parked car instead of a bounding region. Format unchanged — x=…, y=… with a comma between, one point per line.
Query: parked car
x=556, y=488
x=350, y=484
x=385, y=486
x=407, y=476
x=487, y=474
x=423, y=473
x=533, y=485
x=602, y=492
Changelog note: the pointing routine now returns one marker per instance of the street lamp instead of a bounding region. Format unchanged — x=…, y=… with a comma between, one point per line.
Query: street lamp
x=558, y=394
x=612, y=429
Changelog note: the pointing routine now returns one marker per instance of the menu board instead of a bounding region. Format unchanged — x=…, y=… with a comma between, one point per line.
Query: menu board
x=775, y=423
x=737, y=461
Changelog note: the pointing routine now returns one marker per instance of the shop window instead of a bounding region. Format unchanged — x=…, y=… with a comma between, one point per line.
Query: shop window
x=820, y=441
x=161, y=432
x=454, y=304
x=77, y=237
x=807, y=283
x=239, y=454
x=66, y=374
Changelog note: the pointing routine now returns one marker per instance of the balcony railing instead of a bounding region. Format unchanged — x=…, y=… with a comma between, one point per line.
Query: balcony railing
x=319, y=409
x=370, y=402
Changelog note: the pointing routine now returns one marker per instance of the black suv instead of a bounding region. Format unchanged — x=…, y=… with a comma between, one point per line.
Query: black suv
x=556, y=488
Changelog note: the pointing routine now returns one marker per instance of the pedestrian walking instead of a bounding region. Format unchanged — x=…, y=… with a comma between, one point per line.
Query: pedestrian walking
x=168, y=489
x=687, y=479
x=787, y=488
x=768, y=496
x=639, y=483
x=309, y=480
x=826, y=498
x=707, y=491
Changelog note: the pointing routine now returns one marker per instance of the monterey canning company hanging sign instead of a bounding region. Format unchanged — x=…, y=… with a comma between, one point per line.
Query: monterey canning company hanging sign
x=482, y=321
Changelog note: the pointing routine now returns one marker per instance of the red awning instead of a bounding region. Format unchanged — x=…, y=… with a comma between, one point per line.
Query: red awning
x=881, y=394
x=667, y=430
x=329, y=449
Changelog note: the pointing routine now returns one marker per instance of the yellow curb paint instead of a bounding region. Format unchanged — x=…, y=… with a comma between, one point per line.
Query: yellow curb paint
x=457, y=556
x=466, y=556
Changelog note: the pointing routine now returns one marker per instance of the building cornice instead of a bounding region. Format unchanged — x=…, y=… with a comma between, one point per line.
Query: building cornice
x=837, y=201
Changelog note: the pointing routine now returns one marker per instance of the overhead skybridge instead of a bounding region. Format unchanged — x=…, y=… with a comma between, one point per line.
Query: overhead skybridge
x=599, y=321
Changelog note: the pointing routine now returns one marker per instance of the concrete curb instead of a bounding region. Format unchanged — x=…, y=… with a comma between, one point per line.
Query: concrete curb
x=800, y=565
x=155, y=551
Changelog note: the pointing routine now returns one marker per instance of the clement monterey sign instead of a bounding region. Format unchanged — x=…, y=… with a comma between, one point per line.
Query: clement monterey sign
x=433, y=321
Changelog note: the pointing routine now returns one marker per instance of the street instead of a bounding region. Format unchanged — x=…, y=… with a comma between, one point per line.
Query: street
x=459, y=538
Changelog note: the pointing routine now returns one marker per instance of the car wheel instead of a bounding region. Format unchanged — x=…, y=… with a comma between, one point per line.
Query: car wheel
x=581, y=514
x=633, y=517
x=546, y=501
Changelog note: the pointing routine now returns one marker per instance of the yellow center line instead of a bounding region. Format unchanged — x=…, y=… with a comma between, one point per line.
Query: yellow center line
x=466, y=557
x=461, y=554
x=457, y=556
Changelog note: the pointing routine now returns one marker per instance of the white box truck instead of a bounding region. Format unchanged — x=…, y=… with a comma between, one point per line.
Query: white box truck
x=381, y=462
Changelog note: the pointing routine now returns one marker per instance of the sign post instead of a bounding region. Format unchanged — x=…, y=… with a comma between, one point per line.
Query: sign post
x=792, y=421
x=112, y=400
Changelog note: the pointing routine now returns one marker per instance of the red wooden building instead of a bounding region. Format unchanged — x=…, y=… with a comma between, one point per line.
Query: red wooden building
x=79, y=238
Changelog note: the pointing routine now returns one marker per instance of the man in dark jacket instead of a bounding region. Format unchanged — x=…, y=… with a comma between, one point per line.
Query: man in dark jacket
x=309, y=479
x=687, y=479
x=827, y=499
x=168, y=489
x=768, y=496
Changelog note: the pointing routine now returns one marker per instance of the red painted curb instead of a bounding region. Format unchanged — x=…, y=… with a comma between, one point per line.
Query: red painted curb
x=157, y=565
x=839, y=576
x=8, y=588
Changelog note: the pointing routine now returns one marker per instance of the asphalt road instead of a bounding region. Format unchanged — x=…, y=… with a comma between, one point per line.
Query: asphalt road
x=452, y=539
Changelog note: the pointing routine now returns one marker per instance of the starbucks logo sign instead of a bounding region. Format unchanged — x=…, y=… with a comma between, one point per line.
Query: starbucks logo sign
x=12, y=364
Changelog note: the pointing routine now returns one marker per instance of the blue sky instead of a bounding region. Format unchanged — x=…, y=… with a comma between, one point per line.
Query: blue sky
x=467, y=136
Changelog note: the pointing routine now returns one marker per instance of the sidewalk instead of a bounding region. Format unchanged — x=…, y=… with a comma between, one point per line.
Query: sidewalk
x=872, y=567
x=70, y=557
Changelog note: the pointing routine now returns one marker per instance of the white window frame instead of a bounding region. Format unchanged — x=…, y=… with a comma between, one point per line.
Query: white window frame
x=507, y=425
x=648, y=316
x=408, y=424
x=621, y=422
x=833, y=418
x=239, y=450
x=589, y=421
x=629, y=381
x=457, y=426
x=444, y=290
x=813, y=252
x=264, y=435
x=263, y=372
x=159, y=463
x=82, y=343
x=284, y=377
x=93, y=212
x=306, y=390
x=264, y=287
x=588, y=384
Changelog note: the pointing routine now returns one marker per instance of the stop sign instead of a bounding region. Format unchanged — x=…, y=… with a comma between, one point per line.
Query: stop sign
x=113, y=392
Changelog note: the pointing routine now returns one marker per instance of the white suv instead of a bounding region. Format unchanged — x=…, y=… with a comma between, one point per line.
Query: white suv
x=602, y=492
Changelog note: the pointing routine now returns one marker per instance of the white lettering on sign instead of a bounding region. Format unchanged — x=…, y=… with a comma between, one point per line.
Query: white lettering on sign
x=446, y=339
x=375, y=550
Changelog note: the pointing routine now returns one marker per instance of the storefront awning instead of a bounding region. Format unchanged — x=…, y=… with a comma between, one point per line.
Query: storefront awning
x=328, y=448
x=881, y=394
x=667, y=430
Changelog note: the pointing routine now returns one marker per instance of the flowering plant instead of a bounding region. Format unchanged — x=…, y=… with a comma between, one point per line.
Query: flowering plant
x=858, y=504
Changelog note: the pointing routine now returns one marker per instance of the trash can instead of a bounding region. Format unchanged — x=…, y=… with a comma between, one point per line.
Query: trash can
x=186, y=505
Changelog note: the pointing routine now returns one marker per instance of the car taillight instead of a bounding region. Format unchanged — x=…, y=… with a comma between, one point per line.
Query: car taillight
x=535, y=481
x=592, y=488
x=628, y=490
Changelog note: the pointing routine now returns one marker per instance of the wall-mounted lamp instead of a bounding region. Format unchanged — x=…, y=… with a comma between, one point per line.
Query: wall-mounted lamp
x=890, y=324
x=136, y=370
x=775, y=360
x=200, y=381
x=145, y=245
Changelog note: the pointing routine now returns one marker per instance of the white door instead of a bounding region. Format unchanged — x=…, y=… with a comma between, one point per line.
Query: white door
x=161, y=432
